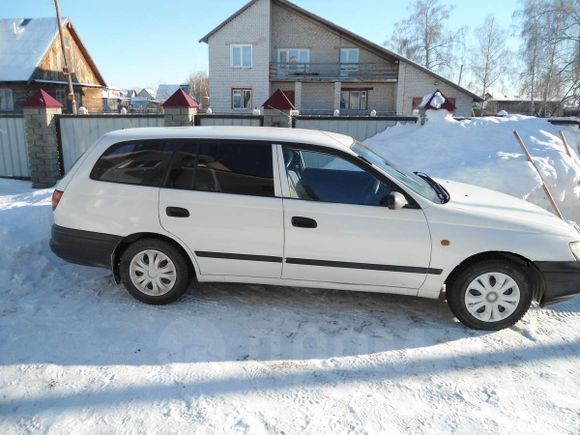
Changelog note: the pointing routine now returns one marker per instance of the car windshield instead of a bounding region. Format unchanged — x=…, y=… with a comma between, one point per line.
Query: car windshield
x=414, y=182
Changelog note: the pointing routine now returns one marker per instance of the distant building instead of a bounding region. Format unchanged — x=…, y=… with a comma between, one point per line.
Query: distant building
x=147, y=93
x=519, y=105
x=321, y=67
x=165, y=91
x=31, y=57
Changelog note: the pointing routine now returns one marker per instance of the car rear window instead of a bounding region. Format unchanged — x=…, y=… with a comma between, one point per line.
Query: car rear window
x=140, y=162
x=226, y=167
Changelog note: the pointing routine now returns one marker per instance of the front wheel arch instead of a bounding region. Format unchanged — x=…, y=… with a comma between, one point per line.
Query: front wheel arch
x=128, y=240
x=536, y=278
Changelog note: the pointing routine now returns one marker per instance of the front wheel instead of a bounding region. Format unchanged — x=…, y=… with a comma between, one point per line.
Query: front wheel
x=490, y=295
x=154, y=271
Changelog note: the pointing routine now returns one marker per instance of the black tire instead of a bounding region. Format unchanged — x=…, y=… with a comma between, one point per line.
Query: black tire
x=183, y=272
x=457, y=289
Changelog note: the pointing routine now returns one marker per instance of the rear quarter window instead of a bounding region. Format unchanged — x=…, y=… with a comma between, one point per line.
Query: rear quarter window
x=139, y=162
x=226, y=167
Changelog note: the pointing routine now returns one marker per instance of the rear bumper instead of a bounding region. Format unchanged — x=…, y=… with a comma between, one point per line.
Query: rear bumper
x=561, y=279
x=83, y=247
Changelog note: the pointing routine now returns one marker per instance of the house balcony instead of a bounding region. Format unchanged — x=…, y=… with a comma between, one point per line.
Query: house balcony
x=336, y=72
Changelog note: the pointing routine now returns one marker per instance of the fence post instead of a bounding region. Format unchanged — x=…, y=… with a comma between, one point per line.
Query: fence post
x=40, y=112
x=179, y=110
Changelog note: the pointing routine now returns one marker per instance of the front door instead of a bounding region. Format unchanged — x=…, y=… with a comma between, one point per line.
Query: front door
x=338, y=229
x=220, y=201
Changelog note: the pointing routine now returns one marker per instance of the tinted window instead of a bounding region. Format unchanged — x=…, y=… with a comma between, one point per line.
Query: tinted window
x=140, y=162
x=317, y=176
x=241, y=168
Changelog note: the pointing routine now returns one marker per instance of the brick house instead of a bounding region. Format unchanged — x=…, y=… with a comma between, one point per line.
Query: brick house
x=31, y=58
x=274, y=44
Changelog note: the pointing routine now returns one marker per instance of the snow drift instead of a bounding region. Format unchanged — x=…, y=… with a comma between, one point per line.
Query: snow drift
x=484, y=152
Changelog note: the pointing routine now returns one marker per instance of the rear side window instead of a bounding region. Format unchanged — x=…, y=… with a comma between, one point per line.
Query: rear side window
x=226, y=167
x=140, y=162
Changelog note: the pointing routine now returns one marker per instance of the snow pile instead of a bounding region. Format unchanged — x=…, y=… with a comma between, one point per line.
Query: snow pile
x=484, y=152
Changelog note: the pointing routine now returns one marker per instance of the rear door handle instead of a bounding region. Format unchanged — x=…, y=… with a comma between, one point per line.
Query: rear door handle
x=303, y=222
x=177, y=212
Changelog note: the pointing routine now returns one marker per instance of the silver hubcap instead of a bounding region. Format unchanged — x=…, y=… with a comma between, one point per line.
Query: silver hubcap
x=152, y=272
x=492, y=297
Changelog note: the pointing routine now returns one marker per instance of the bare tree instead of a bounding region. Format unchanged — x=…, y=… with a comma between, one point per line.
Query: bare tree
x=199, y=86
x=490, y=55
x=423, y=37
x=531, y=45
x=550, y=50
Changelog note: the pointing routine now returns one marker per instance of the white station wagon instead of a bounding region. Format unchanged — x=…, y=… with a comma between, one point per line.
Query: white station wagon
x=161, y=206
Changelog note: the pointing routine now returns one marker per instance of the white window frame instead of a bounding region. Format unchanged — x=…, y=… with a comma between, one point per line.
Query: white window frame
x=6, y=100
x=242, y=90
x=361, y=92
x=348, y=67
x=287, y=51
x=241, y=47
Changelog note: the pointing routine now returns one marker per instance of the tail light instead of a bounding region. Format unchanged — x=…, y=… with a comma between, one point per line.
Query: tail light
x=56, y=196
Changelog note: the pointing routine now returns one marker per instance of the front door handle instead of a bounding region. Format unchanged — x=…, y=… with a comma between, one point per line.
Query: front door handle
x=177, y=212
x=303, y=222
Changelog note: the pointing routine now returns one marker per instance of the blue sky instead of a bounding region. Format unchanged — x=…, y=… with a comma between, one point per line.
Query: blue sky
x=138, y=43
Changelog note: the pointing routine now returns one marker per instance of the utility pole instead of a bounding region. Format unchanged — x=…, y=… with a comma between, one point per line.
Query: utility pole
x=460, y=74
x=67, y=68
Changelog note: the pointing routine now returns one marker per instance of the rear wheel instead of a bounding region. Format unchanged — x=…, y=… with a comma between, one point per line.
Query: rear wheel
x=154, y=271
x=490, y=295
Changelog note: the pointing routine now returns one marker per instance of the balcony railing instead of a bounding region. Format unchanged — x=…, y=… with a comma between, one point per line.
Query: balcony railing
x=344, y=72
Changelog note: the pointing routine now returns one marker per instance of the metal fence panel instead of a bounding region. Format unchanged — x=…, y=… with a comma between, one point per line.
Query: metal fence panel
x=78, y=133
x=229, y=120
x=359, y=128
x=13, y=148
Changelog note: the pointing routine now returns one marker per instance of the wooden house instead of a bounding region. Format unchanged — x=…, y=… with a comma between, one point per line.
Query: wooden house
x=31, y=58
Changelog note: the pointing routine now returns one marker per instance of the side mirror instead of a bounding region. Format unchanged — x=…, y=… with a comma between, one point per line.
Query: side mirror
x=396, y=200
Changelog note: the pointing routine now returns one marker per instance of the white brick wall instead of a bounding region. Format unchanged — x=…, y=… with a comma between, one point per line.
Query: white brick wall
x=269, y=26
x=293, y=30
x=415, y=83
x=250, y=27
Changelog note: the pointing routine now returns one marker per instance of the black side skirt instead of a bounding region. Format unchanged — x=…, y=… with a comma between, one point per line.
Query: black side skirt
x=83, y=247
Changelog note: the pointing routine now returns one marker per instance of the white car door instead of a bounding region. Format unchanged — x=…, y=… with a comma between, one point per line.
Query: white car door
x=220, y=201
x=337, y=228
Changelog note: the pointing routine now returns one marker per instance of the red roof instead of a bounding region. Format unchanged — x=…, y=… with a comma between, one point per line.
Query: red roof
x=278, y=100
x=42, y=99
x=180, y=99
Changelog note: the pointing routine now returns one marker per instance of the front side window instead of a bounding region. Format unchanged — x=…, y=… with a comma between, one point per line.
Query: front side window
x=241, y=98
x=239, y=168
x=241, y=56
x=139, y=162
x=354, y=99
x=412, y=181
x=318, y=176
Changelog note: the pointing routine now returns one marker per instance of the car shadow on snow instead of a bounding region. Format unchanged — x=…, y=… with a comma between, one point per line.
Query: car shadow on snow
x=88, y=320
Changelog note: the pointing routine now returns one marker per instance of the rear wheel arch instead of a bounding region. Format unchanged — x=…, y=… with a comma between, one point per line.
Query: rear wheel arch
x=130, y=239
x=526, y=265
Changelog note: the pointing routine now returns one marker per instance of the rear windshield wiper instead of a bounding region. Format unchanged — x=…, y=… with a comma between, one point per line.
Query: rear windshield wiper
x=441, y=192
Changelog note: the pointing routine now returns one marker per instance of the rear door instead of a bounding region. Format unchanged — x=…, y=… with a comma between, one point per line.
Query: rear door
x=220, y=200
x=338, y=228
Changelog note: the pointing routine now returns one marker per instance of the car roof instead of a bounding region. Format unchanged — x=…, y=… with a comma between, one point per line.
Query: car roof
x=270, y=134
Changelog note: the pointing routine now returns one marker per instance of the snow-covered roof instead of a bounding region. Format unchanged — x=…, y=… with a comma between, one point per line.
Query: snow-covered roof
x=23, y=44
x=165, y=91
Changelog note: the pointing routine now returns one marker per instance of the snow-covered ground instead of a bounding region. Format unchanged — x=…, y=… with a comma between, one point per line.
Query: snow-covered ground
x=484, y=152
x=79, y=355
